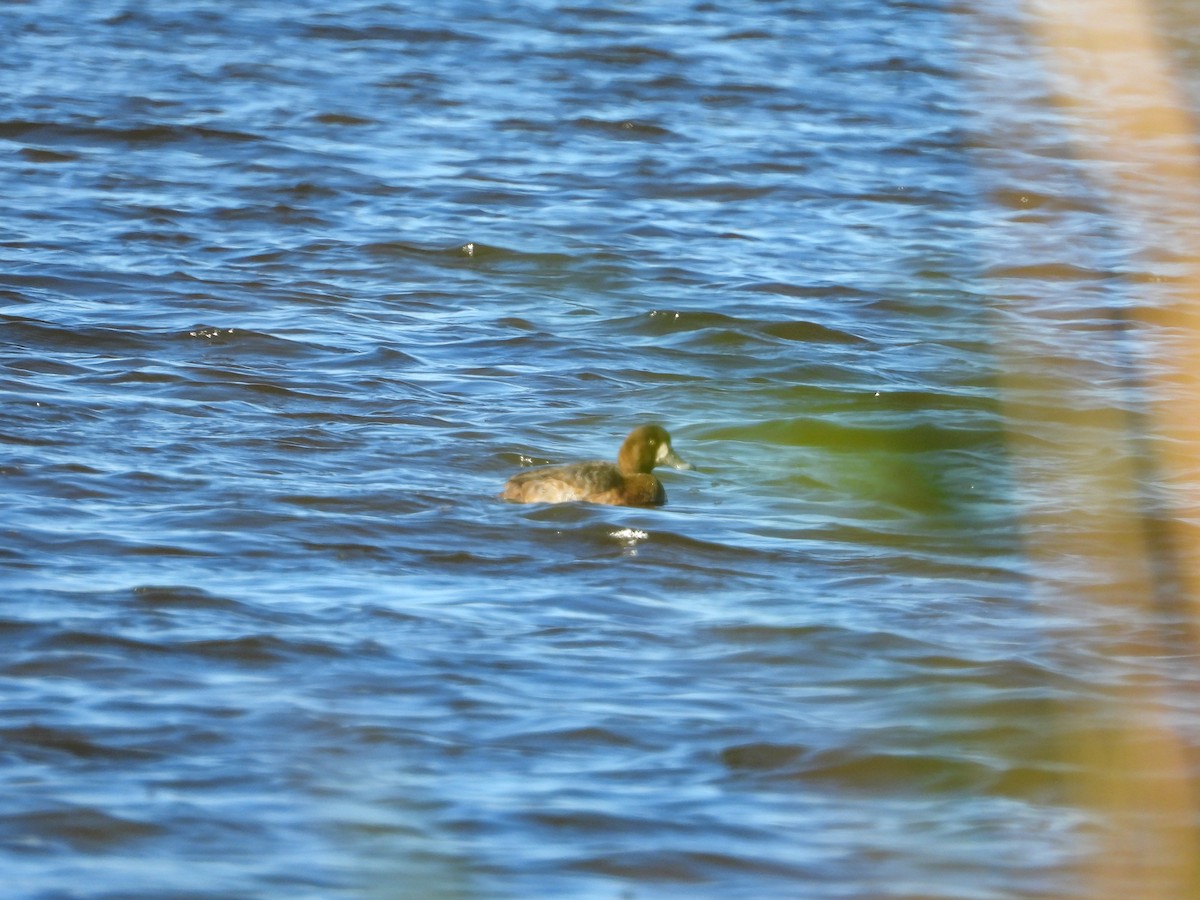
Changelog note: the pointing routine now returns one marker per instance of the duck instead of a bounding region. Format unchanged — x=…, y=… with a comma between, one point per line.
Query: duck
x=627, y=482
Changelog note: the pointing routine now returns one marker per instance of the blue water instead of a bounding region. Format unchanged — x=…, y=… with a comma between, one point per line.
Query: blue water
x=287, y=291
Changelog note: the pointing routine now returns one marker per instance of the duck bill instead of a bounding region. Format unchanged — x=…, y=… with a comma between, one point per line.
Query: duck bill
x=674, y=460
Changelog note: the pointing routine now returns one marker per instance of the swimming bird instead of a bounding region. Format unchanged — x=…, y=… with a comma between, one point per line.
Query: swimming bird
x=628, y=482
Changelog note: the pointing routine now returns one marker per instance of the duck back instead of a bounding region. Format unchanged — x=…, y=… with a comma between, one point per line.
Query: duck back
x=593, y=482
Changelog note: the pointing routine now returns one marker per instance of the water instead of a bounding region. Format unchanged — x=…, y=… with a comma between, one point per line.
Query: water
x=289, y=290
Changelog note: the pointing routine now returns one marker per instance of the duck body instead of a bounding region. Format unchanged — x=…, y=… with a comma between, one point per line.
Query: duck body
x=627, y=482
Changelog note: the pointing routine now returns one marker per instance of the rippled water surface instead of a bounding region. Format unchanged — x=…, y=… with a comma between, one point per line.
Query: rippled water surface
x=287, y=291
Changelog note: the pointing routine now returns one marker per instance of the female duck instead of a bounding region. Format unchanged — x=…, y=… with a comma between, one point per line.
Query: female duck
x=628, y=483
